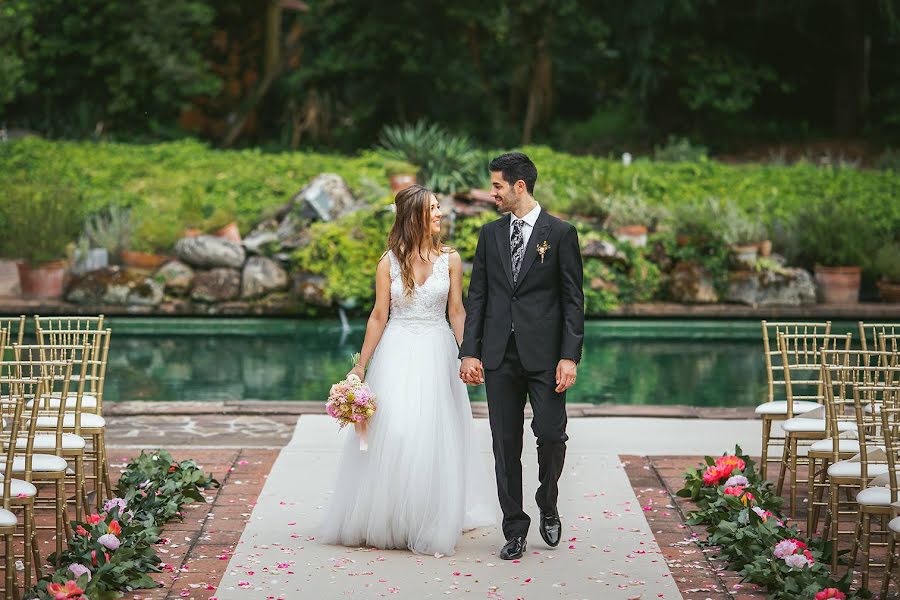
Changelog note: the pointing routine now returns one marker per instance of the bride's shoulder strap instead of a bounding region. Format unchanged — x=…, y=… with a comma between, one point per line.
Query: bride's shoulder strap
x=395, y=264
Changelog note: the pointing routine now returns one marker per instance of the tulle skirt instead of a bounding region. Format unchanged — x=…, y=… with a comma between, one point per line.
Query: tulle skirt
x=422, y=481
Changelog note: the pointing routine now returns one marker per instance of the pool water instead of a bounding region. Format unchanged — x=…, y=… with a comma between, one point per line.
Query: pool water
x=695, y=363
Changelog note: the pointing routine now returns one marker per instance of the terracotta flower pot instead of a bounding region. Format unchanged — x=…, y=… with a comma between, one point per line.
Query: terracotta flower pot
x=230, y=232
x=765, y=248
x=143, y=260
x=46, y=280
x=401, y=181
x=839, y=285
x=889, y=292
x=636, y=235
x=745, y=255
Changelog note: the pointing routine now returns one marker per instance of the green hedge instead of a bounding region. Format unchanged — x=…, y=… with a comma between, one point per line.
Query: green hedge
x=183, y=183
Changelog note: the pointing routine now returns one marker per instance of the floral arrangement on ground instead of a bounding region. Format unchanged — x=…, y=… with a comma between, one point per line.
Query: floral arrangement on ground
x=742, y=518
x=112, y=552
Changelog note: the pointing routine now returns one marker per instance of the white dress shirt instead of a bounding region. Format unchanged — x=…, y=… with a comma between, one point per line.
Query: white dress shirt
x=527, y=227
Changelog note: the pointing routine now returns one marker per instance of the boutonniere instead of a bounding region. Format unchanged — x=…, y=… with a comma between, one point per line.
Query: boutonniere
x=542, y=250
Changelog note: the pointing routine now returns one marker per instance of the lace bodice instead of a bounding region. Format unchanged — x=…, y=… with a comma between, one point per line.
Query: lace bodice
x=428, y=302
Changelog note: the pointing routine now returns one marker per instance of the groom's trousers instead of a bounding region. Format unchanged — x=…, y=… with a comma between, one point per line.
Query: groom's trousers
x=507, y=387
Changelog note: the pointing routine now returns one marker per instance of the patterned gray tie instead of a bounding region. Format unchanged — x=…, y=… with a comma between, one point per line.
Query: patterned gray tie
x=517, y=248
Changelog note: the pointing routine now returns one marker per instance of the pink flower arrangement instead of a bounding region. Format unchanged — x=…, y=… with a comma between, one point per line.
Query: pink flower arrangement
x=794, y=553
x=350, y=401
x=739, y=492
x=829, y=593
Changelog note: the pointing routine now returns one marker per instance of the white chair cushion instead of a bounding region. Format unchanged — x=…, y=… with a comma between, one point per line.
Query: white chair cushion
x=45, y=441
x=88, y=420
x=894, y=524
x=19, y=488
x=7, y=519
x=40, y=463
x=874, y=496
x=779, y=407
x=852, y=468
x=88, y=402
x=803, y=425
x=828, y=446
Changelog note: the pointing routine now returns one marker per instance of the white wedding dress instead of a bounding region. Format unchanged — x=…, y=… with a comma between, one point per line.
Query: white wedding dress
x=422, y=482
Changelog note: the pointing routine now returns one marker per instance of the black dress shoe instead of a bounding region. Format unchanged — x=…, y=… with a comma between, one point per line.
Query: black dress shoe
x=513, y=549
x=551, y=529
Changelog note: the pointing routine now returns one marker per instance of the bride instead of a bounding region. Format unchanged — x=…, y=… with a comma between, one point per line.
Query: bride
x=421, y=483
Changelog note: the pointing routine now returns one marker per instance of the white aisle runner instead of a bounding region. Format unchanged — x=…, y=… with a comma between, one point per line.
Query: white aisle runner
x=608, y=550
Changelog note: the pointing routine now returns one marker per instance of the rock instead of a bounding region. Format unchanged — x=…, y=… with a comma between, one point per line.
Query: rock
x=293, y=232
x=781, y=287
x=311, y=288
x=262, y=275
x=216, y=285
x=114, y=285
x=254, y=242
x=326, y=198
x=692, y=283
x=149, y=293
x=177, y=277
x=208, y=251
x=605, y=251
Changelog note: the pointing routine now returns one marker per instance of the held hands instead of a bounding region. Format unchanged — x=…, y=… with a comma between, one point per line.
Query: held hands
x=565, y=374
x=471, y=371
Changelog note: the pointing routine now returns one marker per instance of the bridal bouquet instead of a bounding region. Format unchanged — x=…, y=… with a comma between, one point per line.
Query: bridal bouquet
x=350, y=401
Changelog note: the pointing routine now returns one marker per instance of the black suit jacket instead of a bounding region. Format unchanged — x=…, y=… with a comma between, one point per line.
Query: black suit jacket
x=546, y=305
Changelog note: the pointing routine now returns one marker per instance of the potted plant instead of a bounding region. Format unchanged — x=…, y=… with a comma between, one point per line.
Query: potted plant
x=40, y=222
x=743, y=232
x=155, y=234
x=887, y=264
x=837, y=240
x=400, y=173
x=631, y=218
x=110, y=231
x=697, y=223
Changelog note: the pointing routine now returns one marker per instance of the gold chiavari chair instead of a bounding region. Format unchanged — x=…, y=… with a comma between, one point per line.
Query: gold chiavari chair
x=12, y=403
x=68, y=323
x=874, y=499
x=800, y=355
x=869, y=333
x=890, y=423
x=15, y=327
x=841, y=370
x=88, y=420
x=779, y=410
x=889, y=342
x=64, y=439
x=46, y=467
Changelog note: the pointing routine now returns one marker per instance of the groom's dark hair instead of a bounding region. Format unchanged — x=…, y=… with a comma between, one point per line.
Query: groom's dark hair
x=515, y=166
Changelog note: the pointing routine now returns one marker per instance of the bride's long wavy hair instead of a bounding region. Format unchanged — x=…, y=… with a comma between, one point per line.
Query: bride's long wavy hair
x=412, y=231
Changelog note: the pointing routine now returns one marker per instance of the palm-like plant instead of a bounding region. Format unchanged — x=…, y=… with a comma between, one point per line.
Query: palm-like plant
x=447, y=163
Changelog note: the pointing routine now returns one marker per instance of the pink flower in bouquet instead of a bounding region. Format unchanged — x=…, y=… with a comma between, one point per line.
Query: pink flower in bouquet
x=712, y=475
x=829, y=593
x=737, y=480
x=739, y=492
x=60, y=591
x=794, y=553
x=78, y=570
x=109, y=540
x=798, y=561
x=730, y=463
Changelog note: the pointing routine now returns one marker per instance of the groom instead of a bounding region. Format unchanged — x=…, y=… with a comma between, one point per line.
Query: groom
x=523, y=337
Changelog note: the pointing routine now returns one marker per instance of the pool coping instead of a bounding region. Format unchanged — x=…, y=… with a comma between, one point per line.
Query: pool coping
x=479, y=409
x=14, y=306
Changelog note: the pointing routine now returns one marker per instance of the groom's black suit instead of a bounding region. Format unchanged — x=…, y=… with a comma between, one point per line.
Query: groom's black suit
x=520, y=330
